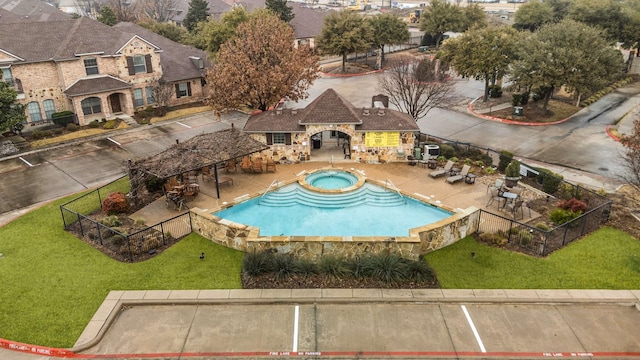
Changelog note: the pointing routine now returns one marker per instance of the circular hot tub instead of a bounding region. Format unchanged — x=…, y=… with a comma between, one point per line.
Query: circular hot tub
x=331, y=181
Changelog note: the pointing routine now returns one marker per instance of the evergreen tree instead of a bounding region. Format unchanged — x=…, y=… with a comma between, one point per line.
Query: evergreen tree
x=107, y=16
x=198, y=11
x=280, y=8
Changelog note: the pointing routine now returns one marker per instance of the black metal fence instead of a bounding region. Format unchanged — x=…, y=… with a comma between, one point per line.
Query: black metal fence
x=525, y=237
x=132, y=247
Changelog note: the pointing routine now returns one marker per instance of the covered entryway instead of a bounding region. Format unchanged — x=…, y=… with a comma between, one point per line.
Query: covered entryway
x=330, y=145
x=114, y=102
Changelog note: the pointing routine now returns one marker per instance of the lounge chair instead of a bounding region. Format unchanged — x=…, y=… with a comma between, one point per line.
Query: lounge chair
x=206, y=174
x=440, y=172
x=246, y=164
x=271, y=165
x=257, y=165
x=460, y=176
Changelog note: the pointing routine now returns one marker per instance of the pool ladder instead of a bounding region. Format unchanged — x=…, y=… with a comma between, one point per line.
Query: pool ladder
x=273, y=183
x=389, y=185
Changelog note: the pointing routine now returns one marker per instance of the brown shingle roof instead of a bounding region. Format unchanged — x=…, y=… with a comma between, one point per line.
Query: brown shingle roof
x=307, y=22
x=96, y=85
x=330, y=108
x=29, y=11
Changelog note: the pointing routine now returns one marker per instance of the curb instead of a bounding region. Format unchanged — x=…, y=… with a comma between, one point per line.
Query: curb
x=510, y=122
x=608, y=130
x=350, y=75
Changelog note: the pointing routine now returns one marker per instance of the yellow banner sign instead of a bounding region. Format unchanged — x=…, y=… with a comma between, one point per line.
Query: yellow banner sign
x=382, y=139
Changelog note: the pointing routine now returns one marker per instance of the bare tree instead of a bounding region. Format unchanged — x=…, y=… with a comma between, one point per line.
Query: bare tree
x=416, y=86
x=159, y=10
x=88, y=8
x=631, y=157
x=124, y=10
x=162, y=93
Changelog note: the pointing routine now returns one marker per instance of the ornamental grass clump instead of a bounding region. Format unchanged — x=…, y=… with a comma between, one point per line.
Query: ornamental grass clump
x=256, y=263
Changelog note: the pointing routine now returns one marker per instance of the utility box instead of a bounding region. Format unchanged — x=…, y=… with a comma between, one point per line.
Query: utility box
x=431, y=152
x=517, y=110
x=417, y=153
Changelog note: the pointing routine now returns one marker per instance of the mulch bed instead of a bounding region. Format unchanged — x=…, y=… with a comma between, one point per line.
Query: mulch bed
x=269, y=281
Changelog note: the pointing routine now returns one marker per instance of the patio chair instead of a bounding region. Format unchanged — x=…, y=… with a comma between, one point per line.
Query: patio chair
x=230, y=166
x=440, y=172
x=455, y=178
x=206, y=174
x=271, y=166
x=190, y=191
x=257, y=165
x=173, y=182
x=246, y=164
x=494, y=195
x=514, y=206
x=497, y=185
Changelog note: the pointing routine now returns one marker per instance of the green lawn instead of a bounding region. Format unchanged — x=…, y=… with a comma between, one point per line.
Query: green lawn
x=52, y=283
x=606, y=259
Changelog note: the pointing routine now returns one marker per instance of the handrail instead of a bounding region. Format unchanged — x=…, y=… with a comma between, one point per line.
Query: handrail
x=393, y=187
x=274, y=182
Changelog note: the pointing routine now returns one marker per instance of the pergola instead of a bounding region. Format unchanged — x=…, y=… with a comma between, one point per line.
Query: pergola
x=196, y=153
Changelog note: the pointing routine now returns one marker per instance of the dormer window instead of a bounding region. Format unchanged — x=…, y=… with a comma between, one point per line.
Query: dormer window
x=91, y=66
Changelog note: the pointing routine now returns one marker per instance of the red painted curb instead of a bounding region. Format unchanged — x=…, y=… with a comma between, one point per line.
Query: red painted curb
x=511, y=122
x=35, y=350
x=615, y=138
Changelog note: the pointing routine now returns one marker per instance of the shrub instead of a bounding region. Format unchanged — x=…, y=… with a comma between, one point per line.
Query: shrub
x=110, y=124
x=389, y=268
x=573, y=204
x=561, y=216
x=72, y=127
x=525, y=98
x=542, y=226
x=62, y=118
x=505, y=159
x=57, y=131
x=117, y=240
x=359, y=266
x=94, y=124
x=525, y=236
x=441, y=159
x=495, y=91
x=257, y=263
x=454, y=159
x=305, y=267
x=116, y=203
x=283, y=266
x=478, y=163
x=550, y=181
x=513, y=169
x=468, y=161
x=110, y=221
x=420, y=271
x=447, y=151
x=333, y=266
x=38, y=134
x=568, y=191
x=490, y=170
x=515, y=99
x=493, y=238
x=140, y=222
x=153, y=183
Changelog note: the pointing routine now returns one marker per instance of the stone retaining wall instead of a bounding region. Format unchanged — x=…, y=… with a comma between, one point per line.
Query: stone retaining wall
x=422, y=240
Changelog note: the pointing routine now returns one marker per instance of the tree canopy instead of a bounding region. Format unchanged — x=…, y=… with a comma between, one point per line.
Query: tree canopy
x=107, y=16
x=343, y=33
x=210, y=35
x=473, y=15
x=259, y=66
x=531, y=16
x=631, y=157
x=170, y=31
x=556, y=56
x=483, y=54
x=415, y=85
x=198, y=11
x=605, y=14
x=280, y=8
x=11, y=113
x=439, y=17
x=388, y=29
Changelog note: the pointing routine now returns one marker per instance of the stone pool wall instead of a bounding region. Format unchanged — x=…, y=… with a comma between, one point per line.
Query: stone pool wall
x=422, y=240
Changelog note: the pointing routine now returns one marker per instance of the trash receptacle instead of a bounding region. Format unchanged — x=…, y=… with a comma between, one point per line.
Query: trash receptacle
x=416, y=153
x=517, y=110
x=317, y=143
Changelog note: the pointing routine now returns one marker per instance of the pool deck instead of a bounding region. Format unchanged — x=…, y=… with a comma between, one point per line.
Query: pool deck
x=410, y=179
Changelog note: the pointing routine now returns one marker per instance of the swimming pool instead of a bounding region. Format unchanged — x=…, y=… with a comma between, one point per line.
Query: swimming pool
x=366, y=210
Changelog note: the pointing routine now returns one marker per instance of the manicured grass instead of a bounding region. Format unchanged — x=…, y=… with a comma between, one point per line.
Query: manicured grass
x=52, y=283
x=606, y=259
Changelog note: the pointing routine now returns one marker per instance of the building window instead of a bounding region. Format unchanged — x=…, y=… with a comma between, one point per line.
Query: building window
x=138, y=100
x=34, y=111
x=49, y=108
x=91, y=66
x=183, y=89
x=6, y=76
x=150, y=98
x=139, y=65
x=91, y=106
x=279, y=138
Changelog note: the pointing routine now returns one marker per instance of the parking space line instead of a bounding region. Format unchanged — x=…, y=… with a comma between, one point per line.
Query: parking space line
x=296, y=315
x=25, y=161
x=185, y=125
x=113, y=141
x=473, y=328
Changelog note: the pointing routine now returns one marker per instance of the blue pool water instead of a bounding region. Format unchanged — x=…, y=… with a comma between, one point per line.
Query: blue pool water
x=369, y=210
x=331, y=180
